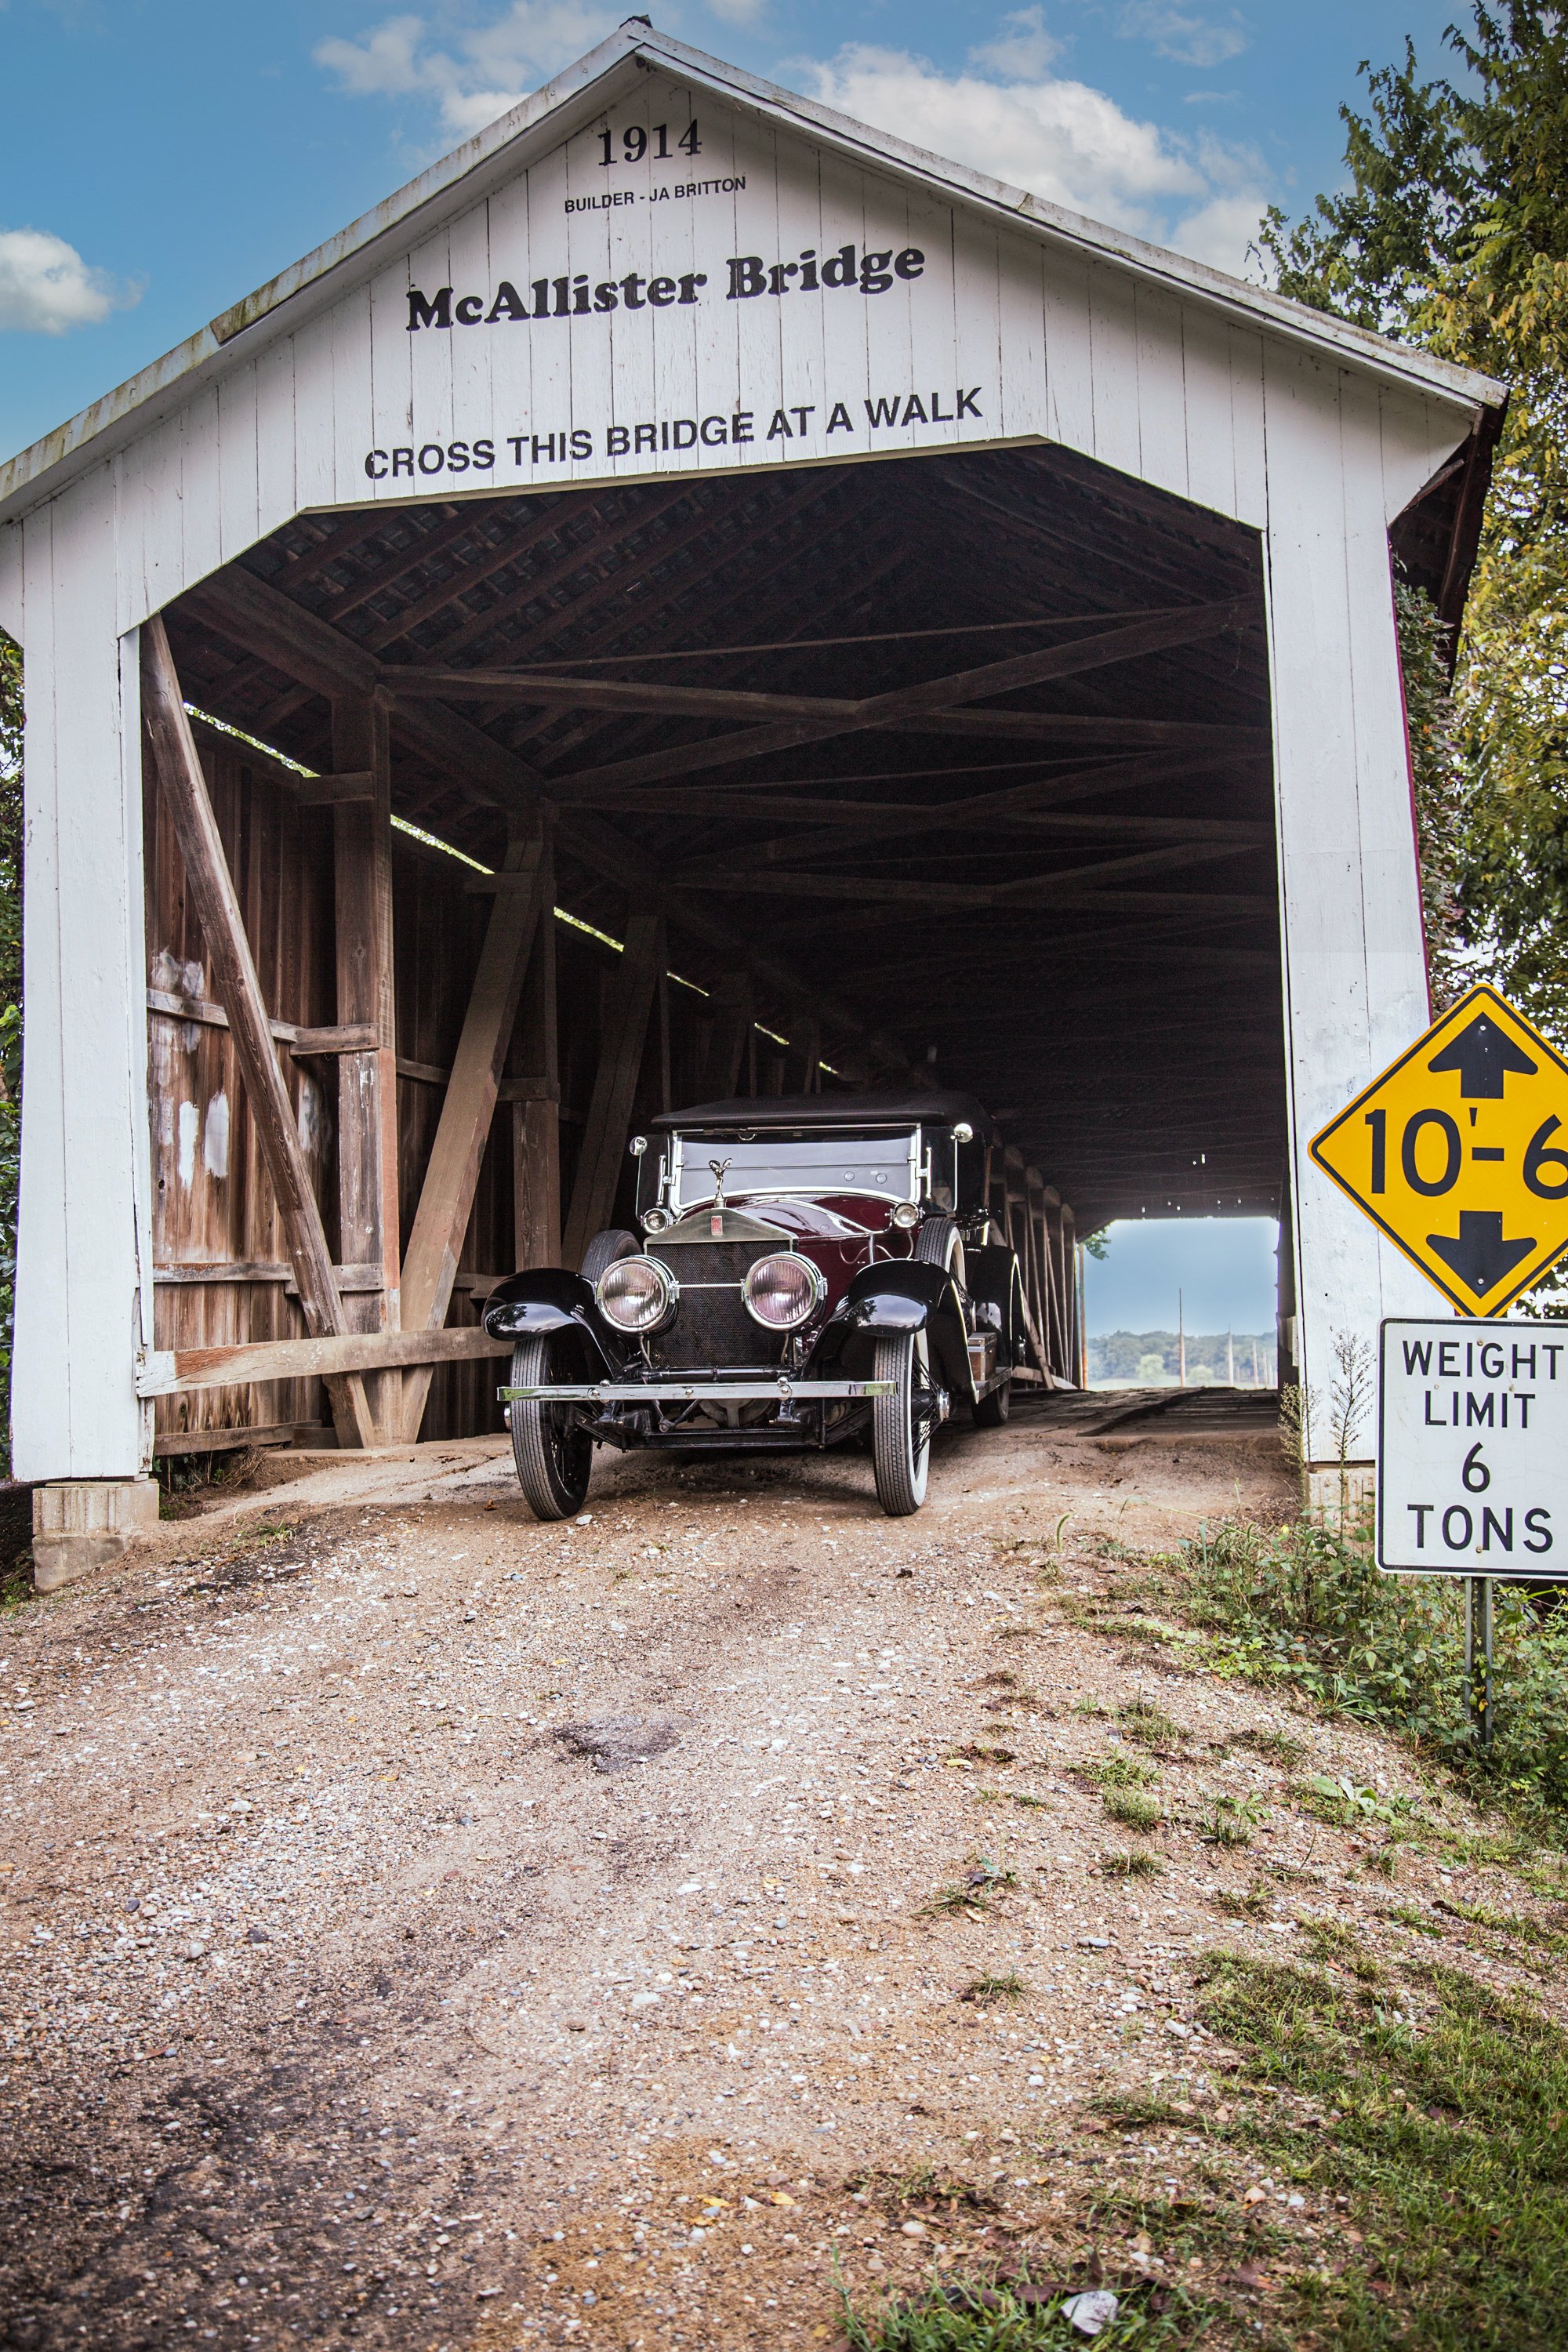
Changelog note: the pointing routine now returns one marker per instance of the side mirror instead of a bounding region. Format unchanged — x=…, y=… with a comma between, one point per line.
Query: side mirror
x=963, y=1132
x=637, y=1146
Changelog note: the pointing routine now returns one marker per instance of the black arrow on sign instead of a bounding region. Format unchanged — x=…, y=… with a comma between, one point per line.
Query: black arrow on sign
x=1480, y=1256
x=1483, y=1056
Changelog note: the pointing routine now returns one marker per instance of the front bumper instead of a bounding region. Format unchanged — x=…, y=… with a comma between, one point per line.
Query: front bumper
x=780, y=1391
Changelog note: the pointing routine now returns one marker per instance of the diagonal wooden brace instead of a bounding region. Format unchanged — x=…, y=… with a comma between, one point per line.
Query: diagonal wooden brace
x=238, y=991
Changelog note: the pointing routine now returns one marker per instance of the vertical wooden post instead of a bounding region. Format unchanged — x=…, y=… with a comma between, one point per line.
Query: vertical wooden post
x=536, y=1115
x=615, y=1085
x=1072, y=1265
x=731, y=1003
x=663, y=987
x=803, y=1075
x=368, y=1225
x=237, y=989
x=446, y=1195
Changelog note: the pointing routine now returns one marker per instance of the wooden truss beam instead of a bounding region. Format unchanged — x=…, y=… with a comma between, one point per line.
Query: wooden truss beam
x=615, y=1085
x=491, y=776
x=1012, y=805
x=1080, y=888
x=232, y=969
x=1182, y=625
x=446, y=1196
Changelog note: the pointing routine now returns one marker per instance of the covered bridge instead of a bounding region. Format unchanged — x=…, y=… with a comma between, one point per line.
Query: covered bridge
x=691, y=595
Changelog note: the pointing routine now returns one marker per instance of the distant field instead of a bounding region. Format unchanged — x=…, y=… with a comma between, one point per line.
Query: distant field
x=1152, y=1359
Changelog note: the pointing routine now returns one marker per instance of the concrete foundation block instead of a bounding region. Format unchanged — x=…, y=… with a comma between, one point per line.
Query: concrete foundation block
x=1342, y=1495
x=82, y=1524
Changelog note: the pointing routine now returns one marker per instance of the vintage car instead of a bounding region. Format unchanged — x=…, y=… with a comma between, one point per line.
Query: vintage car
x=815, y=1268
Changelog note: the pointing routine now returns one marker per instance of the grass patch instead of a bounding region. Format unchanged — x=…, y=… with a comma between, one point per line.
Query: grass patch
x=1117, y=1771
x=1274, y=1746
x=1015, y=2314
x=1305, y=1605
x=1134, y=1808
x=1131, y=1866
x=1256, y=1904
x=986, y=1990
x=977, y=1752
x=1446, y=2135
x=1230, y=1820
x=1149, y=1724
x=1405, y=1914
x=1330, y=1940
x=1139, y=2110
x=1517, y=1923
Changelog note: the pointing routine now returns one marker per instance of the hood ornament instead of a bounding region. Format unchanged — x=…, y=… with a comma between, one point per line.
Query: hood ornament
x=718, y=1169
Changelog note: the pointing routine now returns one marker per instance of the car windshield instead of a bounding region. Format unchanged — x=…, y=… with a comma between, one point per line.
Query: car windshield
x=886, y=1166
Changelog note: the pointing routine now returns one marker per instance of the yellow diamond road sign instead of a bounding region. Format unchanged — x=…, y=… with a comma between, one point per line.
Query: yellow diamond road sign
x=1459, y=1151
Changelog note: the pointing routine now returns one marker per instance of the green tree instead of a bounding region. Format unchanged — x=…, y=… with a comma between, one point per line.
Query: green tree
x=1453, y=234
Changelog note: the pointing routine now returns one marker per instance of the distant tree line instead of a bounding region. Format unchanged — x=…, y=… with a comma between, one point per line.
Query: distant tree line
x=1145, y=1360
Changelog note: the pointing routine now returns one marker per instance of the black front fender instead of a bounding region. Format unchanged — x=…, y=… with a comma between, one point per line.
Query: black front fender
x=545, y=1300
x=895, y=1296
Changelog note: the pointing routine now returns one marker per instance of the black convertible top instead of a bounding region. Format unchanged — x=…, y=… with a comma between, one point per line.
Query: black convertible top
x=818, y=1111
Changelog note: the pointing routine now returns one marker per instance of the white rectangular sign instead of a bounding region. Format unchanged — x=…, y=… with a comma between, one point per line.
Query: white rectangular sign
x=1472, y=1456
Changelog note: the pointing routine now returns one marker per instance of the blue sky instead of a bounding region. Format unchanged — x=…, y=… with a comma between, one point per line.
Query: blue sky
x=1224, y=1266
x=162, y=157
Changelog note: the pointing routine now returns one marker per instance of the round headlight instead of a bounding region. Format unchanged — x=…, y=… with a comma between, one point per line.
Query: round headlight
x=905, y=1214
x=782, y=1292
x=637, y=1293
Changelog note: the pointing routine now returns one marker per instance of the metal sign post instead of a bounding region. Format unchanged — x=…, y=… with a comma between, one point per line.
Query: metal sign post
x=1479, y=1603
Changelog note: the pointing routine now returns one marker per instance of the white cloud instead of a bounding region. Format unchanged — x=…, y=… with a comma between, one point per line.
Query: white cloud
x=483, y=73
x=1006, y=112
x=1021, y=47
x=46, y=289
x=1060, y=138
x=1220, y=232
x=1189, y=40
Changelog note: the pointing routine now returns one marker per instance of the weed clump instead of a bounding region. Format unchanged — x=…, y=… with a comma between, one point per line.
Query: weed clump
x=1131, y=1866
x=1134, y=1808
x=1305, y=1604
x=1149, y=1724
x=987, y=1989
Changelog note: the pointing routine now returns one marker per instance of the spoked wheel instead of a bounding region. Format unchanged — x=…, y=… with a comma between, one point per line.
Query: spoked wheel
x=900, y=1438
x=992, y=1411
x=553, y=1456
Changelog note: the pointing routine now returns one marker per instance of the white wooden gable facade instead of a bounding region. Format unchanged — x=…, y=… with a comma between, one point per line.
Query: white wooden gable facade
x=657, y=266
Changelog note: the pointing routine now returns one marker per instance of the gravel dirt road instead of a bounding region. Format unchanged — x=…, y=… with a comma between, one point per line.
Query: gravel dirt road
x=425, y=1927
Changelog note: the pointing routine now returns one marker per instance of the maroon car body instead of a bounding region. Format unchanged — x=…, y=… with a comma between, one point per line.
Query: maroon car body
x=812, y=1269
